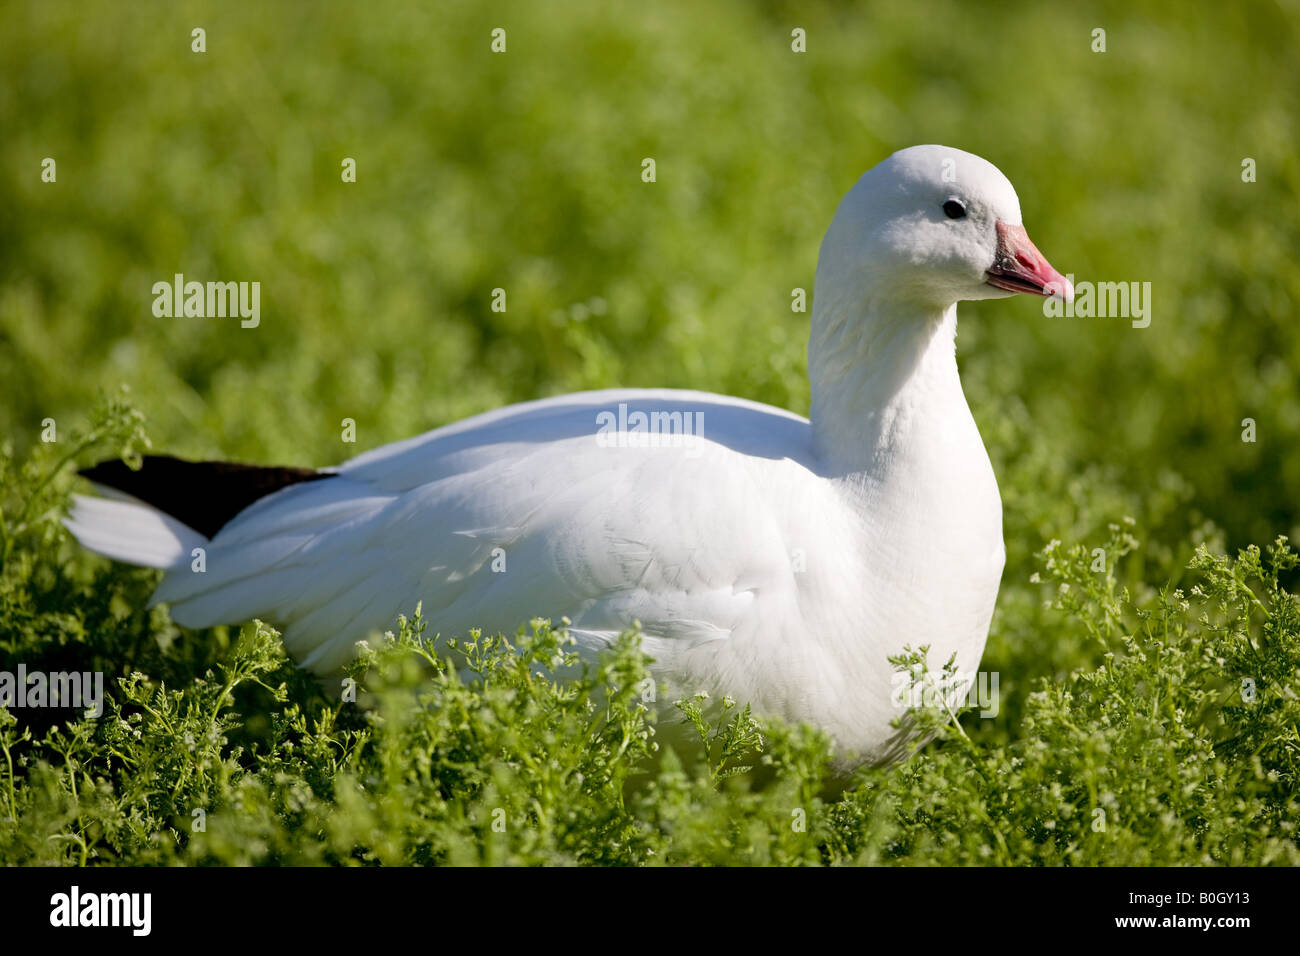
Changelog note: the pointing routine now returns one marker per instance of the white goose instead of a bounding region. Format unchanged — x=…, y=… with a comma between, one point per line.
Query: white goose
x=768, y=557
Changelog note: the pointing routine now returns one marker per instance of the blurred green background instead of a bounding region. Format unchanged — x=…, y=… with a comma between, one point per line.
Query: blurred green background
x=522, y=170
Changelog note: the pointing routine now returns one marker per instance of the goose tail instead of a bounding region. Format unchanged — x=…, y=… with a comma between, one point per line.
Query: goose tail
x=157, y=514
x=127, y=529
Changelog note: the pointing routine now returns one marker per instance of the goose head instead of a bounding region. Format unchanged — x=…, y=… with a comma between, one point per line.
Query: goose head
x=928, y=227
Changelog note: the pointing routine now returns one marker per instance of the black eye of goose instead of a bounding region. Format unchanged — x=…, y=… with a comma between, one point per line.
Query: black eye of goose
x=955, y=209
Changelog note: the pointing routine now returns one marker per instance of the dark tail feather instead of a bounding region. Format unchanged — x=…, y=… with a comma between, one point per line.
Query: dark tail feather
x=204, y=495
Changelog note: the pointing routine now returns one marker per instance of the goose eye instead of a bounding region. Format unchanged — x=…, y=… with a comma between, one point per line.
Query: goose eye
x=955, y=209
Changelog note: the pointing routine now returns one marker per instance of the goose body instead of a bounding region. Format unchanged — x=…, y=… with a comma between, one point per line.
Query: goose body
x=769, y=557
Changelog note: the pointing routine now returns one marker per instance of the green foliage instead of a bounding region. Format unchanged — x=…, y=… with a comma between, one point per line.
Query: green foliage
x=728, y=740
x=1160, y=690
x=116, y=431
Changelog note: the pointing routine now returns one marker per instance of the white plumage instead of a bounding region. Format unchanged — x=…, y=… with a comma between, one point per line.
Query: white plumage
x=774, y=559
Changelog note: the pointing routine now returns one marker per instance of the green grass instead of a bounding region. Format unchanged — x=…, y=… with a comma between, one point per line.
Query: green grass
x=1121, y=690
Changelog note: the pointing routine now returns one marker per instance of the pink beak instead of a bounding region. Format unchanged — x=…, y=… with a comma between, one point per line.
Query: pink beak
x=1020, y=267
